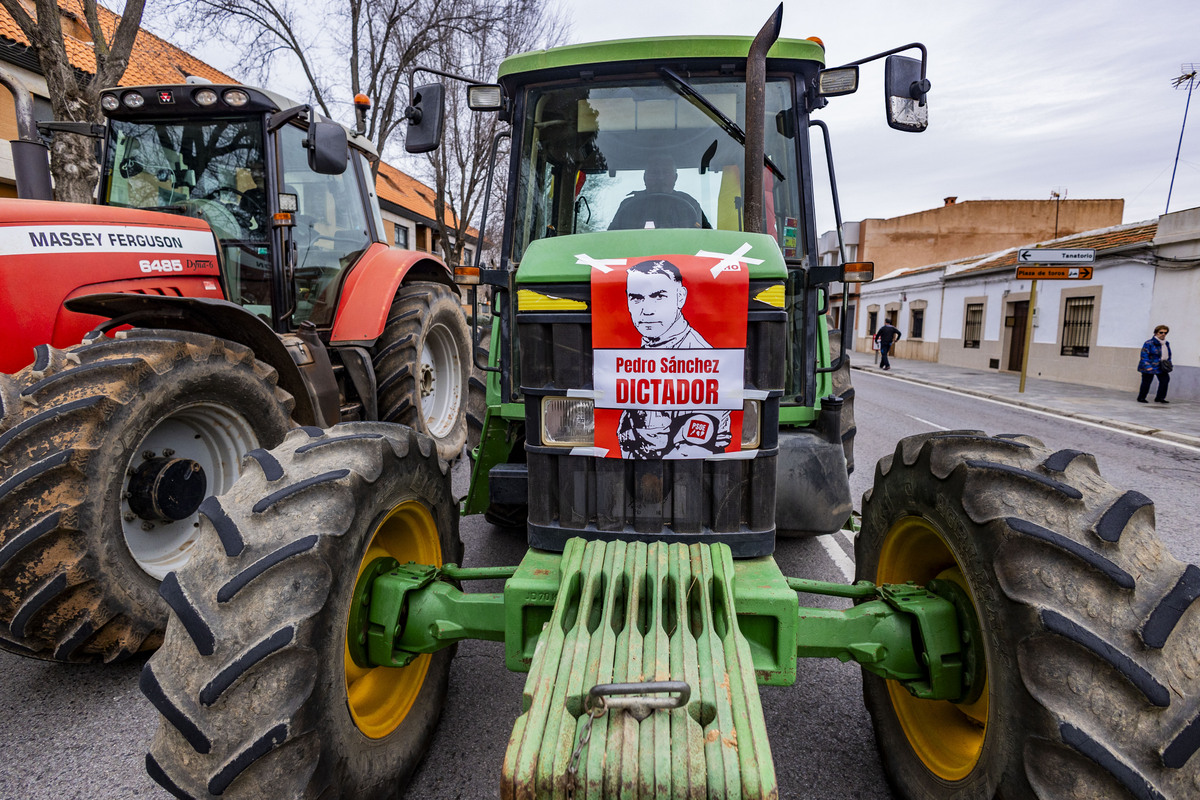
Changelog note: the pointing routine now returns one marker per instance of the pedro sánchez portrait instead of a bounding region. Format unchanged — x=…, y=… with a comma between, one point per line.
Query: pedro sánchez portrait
x=656, y=296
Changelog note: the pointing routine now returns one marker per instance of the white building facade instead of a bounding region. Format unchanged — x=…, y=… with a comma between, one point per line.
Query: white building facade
x=973, y=312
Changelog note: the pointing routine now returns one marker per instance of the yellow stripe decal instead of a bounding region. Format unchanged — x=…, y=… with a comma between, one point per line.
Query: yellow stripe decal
x=528, y=300
x=773, y=296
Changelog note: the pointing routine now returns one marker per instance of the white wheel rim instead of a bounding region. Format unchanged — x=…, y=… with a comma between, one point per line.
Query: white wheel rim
x=215, y=437
x=440, y=382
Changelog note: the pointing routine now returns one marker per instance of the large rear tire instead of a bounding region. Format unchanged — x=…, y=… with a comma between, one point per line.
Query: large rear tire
x=1089, y=627
x=257, y=691
x=114, y=445
x=423, y=363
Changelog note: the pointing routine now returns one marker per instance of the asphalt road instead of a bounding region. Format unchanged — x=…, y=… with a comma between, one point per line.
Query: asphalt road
x=82, y=732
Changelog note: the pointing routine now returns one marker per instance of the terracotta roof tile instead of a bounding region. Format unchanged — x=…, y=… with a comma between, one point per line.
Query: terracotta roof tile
x=407, y=192
x=153, y=60
x=1115, y=238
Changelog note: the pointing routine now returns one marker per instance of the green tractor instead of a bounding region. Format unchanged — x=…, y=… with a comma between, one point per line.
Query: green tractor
x=662, y=404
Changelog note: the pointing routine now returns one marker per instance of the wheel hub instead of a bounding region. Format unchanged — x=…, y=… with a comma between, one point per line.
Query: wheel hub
x=167, y=489
x=427, y=380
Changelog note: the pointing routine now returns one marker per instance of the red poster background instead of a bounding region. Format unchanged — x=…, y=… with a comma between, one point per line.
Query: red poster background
x=715, y=308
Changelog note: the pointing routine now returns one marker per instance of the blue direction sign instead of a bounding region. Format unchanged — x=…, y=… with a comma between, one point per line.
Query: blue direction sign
x=1050, y=255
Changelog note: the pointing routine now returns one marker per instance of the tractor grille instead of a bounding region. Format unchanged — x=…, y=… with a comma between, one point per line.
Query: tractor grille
x=629, y=613
x=687, y=501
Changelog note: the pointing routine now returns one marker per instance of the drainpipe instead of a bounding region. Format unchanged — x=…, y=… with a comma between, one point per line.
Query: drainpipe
x=31, y=156
x=756, y=102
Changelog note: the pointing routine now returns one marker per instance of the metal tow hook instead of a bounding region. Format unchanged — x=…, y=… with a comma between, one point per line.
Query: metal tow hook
x=636, y=698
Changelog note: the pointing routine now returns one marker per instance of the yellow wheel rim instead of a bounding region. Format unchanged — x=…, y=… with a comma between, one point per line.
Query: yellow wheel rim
x=947, y=737
x=381, y=697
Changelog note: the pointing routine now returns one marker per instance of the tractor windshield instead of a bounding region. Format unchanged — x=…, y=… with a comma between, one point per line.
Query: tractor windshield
x=213, y=169
x=637, y=154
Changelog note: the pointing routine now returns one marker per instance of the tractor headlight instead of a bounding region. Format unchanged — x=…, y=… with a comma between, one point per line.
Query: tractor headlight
x=751, y=424
x=109, y=102
x=205, y=97
x=236, y=97
x=568, y=422
x=133, y=100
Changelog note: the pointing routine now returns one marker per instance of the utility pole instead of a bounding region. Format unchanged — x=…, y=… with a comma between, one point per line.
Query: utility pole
x=1189, y=78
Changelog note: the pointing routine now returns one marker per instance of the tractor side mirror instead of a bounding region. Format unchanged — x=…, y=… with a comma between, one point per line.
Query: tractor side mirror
x=904, y=94
x=328, y=152
x=425, y=116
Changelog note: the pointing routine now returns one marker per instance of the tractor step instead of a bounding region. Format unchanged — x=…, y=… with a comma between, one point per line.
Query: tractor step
x=637, y=613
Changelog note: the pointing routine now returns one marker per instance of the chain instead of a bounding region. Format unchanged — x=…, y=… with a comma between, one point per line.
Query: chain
x=585, y=733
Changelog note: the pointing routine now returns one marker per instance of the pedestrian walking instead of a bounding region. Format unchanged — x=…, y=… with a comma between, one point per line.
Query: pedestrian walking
x=1156, y=360
x=886, y=334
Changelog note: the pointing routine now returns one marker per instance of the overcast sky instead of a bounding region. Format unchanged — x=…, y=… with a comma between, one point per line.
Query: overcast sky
x=1028, y=97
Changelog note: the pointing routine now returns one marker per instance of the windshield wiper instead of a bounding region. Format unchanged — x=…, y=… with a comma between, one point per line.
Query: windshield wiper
x=693, y=96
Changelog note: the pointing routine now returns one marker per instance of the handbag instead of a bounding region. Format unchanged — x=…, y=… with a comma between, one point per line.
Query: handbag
x=1165, y=365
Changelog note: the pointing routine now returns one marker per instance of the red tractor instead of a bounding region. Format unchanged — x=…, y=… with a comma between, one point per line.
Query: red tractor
x=233, y=282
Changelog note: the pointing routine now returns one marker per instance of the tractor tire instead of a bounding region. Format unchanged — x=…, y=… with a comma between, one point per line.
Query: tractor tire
x=10, y=403
x=843, y=389
x=257, y=692
x=476, y=405
x=423, y=363
x=89, y=524
x=1088, y=632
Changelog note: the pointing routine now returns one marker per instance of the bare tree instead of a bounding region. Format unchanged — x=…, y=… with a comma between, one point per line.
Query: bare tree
x=373, y=42
x=459, y=167
x=73, y=96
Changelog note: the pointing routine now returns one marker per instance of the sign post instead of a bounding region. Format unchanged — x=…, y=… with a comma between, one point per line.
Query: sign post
x=1031, y=265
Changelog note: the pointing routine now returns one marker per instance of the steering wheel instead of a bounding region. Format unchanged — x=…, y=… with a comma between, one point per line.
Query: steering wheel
x=664, y=209
x=251, y=206
x=220, y=218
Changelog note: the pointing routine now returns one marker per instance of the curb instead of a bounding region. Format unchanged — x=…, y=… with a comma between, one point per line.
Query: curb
x=1115, y=424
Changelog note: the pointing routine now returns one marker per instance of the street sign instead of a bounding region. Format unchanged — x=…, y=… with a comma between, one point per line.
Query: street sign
x=1054, y=273
x=1032, y=255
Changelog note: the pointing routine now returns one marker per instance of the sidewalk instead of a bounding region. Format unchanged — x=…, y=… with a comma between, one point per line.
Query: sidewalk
x=1177, y=421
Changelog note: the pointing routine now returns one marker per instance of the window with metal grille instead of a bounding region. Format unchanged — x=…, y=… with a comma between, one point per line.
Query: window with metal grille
x=1077, y=326
x=974, y=325
x=916, y=330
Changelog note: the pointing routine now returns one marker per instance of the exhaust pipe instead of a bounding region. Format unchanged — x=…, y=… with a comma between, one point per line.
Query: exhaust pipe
x=756, y=102
x=31, y=157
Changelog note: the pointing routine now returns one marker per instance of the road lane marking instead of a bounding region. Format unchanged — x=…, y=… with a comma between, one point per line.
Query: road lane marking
x=927, y=422
x=838, y=556
x=1050, y=414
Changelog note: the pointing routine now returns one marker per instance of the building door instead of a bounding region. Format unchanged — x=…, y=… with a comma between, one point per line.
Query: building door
x=1016, y=339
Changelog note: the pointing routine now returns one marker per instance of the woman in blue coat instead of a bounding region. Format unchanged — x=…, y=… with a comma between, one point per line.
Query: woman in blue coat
x=1155, y=360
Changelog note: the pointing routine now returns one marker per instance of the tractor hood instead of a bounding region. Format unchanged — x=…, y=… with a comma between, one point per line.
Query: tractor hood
x=570, y=259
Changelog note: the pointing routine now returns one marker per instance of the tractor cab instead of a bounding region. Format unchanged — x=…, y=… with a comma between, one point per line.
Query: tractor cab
x=286, y=198
x=661, y=151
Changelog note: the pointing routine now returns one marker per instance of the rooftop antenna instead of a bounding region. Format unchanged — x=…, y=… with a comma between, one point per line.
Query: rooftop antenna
x=1188, y=78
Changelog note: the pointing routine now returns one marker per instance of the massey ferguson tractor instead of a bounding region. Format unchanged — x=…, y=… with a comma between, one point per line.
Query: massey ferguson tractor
x=660, y=409
x=233, y=282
